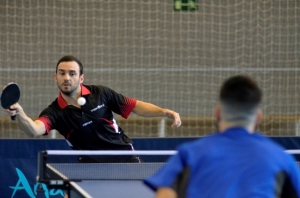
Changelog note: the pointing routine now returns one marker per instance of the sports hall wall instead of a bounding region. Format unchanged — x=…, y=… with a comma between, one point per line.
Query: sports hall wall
x=168, y=53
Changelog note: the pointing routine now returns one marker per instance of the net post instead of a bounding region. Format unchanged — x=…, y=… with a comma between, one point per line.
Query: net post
x=297, y=125
x=42, y=159
x=53, y=134
x=162, y=128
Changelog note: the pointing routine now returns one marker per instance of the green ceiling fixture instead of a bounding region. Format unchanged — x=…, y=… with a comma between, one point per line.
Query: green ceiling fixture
x=185, y=5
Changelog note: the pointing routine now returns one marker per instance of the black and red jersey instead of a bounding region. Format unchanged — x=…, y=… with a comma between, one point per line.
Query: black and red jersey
x=92, y=127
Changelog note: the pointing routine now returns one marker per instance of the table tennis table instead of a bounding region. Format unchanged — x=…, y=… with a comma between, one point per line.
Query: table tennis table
x=108, y=180
x=87, y=180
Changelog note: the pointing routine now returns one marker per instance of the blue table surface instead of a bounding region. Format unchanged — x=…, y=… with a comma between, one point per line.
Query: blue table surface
x=116, y=188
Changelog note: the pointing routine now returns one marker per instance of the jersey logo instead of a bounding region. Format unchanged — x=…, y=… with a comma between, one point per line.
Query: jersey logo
x=98, y=107
x=87, y=123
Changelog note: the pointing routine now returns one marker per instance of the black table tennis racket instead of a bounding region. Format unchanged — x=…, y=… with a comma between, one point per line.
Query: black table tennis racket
x=10, y=95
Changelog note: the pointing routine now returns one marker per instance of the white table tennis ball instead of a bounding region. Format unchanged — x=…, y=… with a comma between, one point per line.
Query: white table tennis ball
x=81, y=101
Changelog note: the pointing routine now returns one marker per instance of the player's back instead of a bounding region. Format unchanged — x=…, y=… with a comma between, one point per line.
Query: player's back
x=238, y=164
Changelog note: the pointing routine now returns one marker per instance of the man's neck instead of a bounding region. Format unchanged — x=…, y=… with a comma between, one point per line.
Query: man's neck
x=223, y=126
x=72, y=98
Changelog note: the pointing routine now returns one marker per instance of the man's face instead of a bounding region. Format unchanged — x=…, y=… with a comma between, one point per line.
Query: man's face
x=68, y=77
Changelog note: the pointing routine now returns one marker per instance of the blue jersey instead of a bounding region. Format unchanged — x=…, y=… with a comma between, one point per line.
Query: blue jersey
x=232, y=164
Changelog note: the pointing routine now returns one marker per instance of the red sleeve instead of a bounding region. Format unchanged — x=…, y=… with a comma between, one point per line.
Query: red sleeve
x=128, y=106
x=46, y=122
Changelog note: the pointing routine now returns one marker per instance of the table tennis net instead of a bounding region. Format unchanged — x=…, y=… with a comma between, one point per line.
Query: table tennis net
x=67, y=167
x=64, y=167
x=101, y=171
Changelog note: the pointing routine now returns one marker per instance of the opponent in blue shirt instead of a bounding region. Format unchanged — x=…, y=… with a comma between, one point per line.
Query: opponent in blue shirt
x=236, y=161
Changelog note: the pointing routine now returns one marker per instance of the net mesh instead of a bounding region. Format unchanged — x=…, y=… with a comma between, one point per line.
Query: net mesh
x=108, y=171
x=146, y=50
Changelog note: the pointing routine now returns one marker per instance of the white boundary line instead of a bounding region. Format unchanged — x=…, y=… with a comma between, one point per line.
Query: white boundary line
x=136, y=152
x=293, y=151
x=56, y=171
x=89, y=152
x=80, y=190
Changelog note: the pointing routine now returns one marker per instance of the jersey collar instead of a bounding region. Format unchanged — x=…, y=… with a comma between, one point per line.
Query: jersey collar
x=237, y=131
x=61, y=101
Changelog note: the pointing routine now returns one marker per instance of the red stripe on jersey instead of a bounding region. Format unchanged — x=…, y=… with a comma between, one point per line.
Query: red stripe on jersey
x=68, y=135
x=128, y=106
x=109, y=122
x=46, y=122
x=84, y=90
x=61, y=101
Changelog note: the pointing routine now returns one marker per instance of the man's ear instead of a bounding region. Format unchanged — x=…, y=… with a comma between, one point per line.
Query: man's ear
x=81, y=78
x=258, y=116
x=217, y=113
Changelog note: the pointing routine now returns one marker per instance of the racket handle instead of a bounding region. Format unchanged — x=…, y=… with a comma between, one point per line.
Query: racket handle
x=13, y=117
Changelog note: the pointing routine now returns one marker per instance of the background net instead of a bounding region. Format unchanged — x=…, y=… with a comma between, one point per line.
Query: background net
x=147, y=50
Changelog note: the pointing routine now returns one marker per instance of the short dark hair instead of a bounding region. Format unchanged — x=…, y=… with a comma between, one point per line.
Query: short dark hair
x=70, y=58
x=240, y=94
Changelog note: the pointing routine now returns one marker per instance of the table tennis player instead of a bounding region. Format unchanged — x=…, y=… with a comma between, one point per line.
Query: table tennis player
x=83, y=114
x=234, y=162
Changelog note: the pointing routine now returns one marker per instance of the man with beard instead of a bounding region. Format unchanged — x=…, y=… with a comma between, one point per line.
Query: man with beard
x=88, y=124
